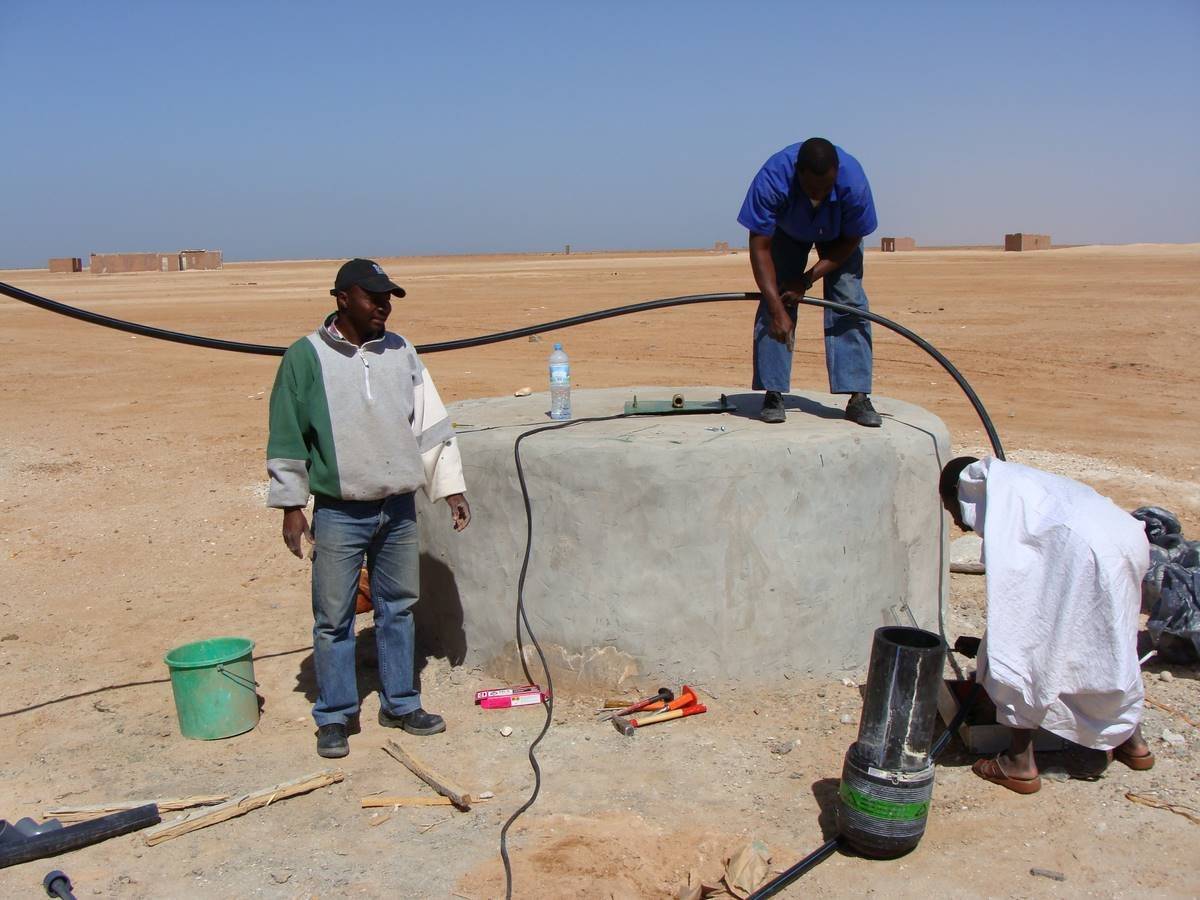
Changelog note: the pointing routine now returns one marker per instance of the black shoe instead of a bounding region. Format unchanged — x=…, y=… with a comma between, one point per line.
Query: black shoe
x=772, y=408
x=416, y=722
x=860, y=410
x=331, y=741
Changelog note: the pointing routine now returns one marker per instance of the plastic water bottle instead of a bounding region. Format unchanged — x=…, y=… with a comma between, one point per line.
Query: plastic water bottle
x=560, y=384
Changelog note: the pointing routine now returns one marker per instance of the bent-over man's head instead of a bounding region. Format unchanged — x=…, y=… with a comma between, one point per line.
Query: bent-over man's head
x=816, y=169
x=948, y=488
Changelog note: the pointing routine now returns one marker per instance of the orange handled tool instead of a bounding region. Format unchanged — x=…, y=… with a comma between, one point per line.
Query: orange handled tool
x=627, y=726
x=658, y=701
x=694, y=709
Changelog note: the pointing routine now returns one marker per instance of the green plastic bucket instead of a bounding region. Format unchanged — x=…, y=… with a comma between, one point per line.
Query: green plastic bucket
x=213, y=682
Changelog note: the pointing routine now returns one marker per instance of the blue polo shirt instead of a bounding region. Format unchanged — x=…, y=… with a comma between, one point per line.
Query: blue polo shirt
x=848, y=211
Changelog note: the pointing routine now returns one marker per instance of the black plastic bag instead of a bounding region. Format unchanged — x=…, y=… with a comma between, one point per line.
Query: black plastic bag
x=1159, y=523
x=1188, y=555
x=1152, y=583
x=1174, y=624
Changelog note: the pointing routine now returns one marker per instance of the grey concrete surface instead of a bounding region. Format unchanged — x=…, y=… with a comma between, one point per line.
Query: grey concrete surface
x=702, y=547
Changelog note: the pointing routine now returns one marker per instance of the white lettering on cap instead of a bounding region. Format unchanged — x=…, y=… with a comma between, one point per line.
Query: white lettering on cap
x=378, y=269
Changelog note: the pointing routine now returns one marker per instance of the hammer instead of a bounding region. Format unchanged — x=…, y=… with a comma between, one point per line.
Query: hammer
x=664, y=696
x=627, y=726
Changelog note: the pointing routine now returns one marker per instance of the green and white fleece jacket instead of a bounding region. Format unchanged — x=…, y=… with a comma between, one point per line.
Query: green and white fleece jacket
x=357, y=423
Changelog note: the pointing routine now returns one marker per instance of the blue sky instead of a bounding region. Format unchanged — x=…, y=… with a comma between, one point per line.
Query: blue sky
x=298, y=130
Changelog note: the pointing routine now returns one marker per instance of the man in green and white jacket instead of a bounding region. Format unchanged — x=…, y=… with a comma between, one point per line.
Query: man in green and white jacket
x=357, y=423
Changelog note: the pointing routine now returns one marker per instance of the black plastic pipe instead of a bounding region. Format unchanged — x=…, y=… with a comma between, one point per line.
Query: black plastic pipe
x=463, y=343
x=72, y=837
x=777, y=884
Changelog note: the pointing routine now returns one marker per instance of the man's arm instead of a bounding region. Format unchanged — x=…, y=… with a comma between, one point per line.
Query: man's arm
x=287, y=454
x=831, y=257
x=763, y=267
x=295, y=527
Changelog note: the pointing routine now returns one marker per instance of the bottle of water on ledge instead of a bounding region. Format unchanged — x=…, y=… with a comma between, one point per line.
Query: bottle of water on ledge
x=560, y=384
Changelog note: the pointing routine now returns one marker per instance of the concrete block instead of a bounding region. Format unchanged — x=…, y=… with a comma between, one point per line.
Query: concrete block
x=199, y=259
x=687, y=551
x=1023, y=241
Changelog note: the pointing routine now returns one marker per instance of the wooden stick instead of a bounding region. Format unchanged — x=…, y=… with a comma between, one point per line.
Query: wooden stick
x=384, y=800
x=442, y=785
x=239, y=806
x=1171, y=710
x=71, y=814
x=967, y=568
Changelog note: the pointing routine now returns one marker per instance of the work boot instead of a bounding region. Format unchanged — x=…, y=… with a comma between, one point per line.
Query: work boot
x=416, y=722
x=860, y=411
x=331, y=741
x=772, y=408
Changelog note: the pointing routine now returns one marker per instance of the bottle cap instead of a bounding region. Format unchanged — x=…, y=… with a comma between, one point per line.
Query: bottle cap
x=558, y=346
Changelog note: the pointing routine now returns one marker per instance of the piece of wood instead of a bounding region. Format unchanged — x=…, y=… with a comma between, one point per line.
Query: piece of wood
x=1171, y=710
x=239, y=806
x=384, y=800
x=70, y=814
x=381, y=801
x=439, y=783
x=967, y=568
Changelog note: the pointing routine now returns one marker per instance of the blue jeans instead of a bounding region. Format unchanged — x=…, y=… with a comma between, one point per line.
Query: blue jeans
x=847, y=338
x=385, y=533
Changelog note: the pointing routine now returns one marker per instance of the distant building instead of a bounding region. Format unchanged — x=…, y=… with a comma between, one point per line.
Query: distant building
x=1022, y=241
x=183, y=260
x=66, y=264
x=199, y=259
x=721, y=246
x=892, y=244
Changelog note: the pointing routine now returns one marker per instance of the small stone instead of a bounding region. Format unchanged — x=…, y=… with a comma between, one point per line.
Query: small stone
x=506, y=731
x=781, y=747
x=535, y=339
x=849, y=682
x=1162, y=676
x=1175, y=740
x=10, y=637
x=281, y=877
x=523, y=392
x=486, y=795
x=846, y=719
x=966, y=549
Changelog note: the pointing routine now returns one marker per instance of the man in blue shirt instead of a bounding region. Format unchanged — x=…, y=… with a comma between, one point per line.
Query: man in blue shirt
x=806, y=194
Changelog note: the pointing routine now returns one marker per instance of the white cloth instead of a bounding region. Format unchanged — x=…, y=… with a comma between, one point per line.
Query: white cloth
x=1064, y=574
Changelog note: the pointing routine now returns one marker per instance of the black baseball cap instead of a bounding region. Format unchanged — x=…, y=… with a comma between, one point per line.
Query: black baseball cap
x=368, y=275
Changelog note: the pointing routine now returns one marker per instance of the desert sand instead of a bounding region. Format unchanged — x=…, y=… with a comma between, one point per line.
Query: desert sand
x=131, y=503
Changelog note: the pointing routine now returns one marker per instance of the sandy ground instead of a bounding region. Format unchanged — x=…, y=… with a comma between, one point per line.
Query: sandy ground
x=132, y=521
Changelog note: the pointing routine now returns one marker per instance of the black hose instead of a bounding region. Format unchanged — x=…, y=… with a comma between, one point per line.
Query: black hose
x=777, y=884
x=463, y=343
x=523, y=620
x=72, y=837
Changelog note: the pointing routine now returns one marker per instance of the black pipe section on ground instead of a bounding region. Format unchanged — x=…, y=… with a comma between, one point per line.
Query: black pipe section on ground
x=14, y=850
x=463, y=343
x=887, y=775
x=777, y=884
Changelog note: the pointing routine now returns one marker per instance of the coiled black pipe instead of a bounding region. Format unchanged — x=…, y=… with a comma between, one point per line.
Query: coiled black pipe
x=463, y=343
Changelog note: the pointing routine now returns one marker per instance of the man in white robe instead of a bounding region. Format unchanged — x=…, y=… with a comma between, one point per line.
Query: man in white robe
x=1064, y=573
